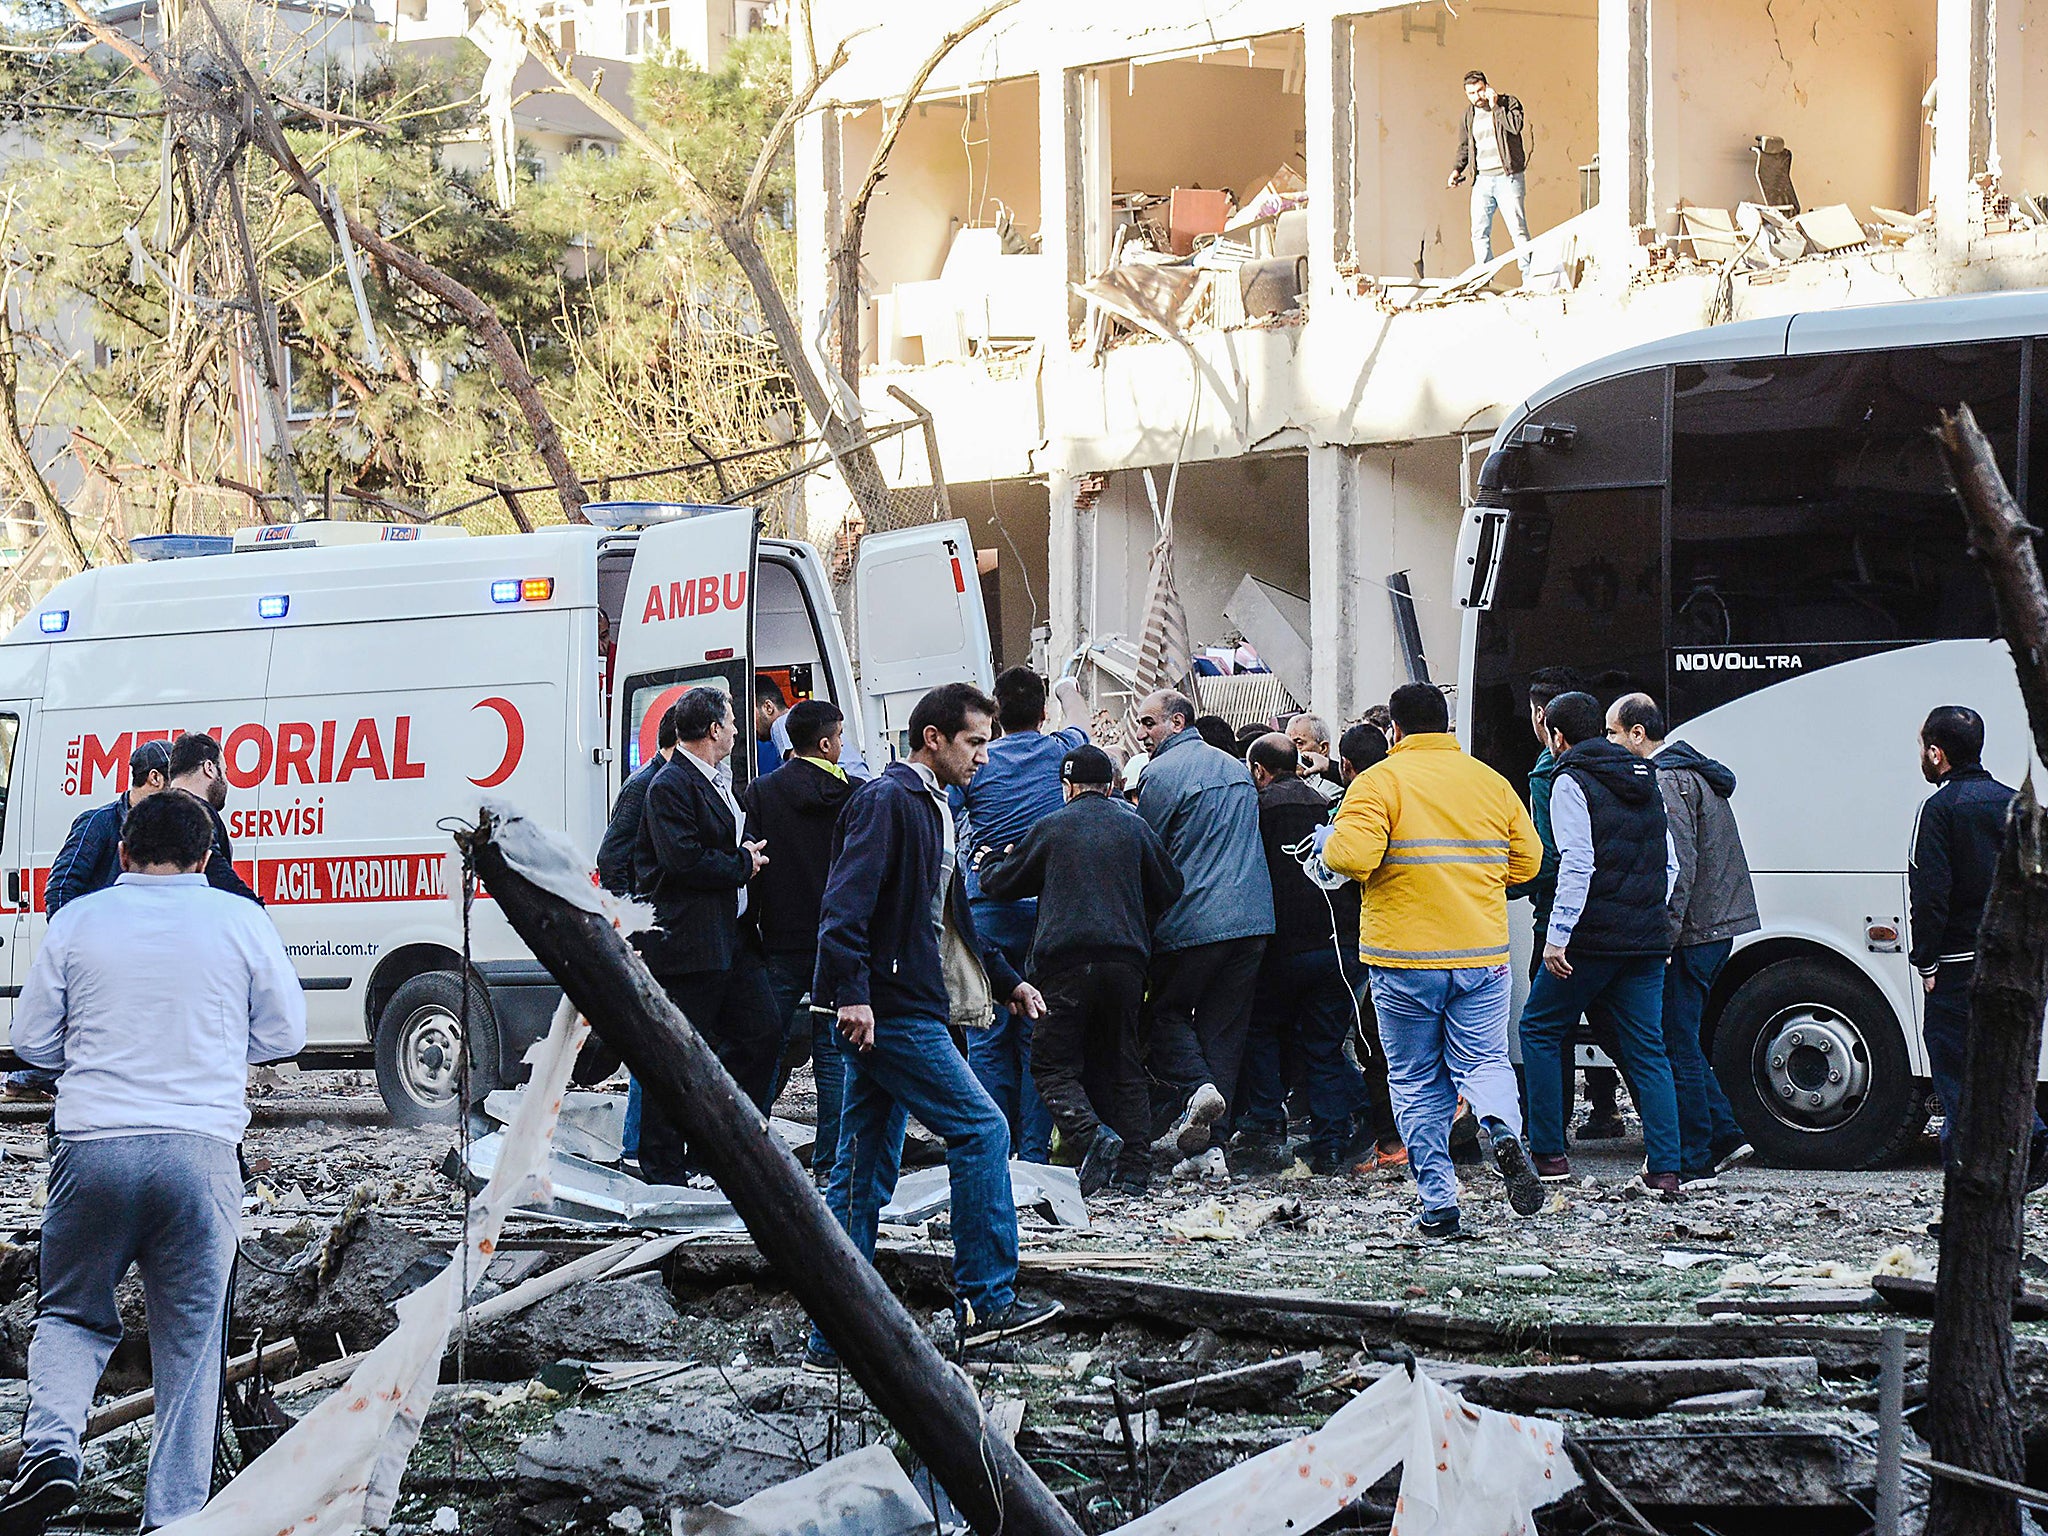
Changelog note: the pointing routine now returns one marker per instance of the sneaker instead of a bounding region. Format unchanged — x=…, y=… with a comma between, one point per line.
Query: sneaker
x=1383, y=1164
x=1190, y=1133
x=1734, y=1157
x=1554, y=1170
x=1133, y=1185
x=1702, y=1178
x=1020, y=1316
x=44, y=1488
x=1602, y=1128
x=1260, y=1151
x=821, y=1359
x=1465, y=1149
x=1099, y=1164
x=1663, y=1185
x=1208, y=1165
x=1525, y=1189
x=1324, y=1162
x=1436, y=1226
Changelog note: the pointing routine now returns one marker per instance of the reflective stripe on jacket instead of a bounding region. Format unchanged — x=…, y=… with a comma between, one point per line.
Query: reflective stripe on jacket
x=1435, y=837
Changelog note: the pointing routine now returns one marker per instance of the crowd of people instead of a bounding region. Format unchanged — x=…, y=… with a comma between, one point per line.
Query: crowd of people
x=1032, y=944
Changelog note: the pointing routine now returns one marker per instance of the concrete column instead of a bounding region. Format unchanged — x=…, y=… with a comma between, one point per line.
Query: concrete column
x=1962, y=116
x=1331, y=136
x=1624, y=93
x=1343, y=495
x=1062, y=235
x=1069, y=559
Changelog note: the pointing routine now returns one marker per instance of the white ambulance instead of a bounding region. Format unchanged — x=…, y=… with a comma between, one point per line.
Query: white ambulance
x=368, y=682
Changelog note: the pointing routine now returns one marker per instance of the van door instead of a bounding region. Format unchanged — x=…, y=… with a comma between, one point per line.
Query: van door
x=16, y=854
x=688, y=621
x=918, y=622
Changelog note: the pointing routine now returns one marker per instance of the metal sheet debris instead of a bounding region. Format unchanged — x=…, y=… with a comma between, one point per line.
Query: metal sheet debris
x=863, y=1493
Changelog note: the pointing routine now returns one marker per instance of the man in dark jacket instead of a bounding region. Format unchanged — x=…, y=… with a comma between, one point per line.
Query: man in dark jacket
x=622, y=832
x=794, y=811
x=89, y=861
x=1301, y=1008
x=894, y=921
x=1205, y=809
x=1362, y=745
x=692, y=865
x=1491, y=143
x=1955, y=849
x=197, y=769
x=1712, y=903
x=1609, y=937
x=1102, y=879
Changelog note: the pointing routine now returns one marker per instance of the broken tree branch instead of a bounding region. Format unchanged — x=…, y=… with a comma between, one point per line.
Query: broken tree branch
x=18, y=463
x=1973, y=1417
x=931, y=1405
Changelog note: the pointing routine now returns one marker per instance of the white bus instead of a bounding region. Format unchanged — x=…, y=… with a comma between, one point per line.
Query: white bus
x=1752, y=523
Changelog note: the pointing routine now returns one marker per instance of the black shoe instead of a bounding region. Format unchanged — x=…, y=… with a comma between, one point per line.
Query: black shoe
x=1465, y=1149
x=44, y=1488
x=1602, y=1128
x=1098, y=1166
x=821, y=1360
x=1438, y=1226
x=1020, y=1316
x=1324, y=1162
x=1133, y=1185
x=1525, y=1190
x=2037, y=1163
x=1260, y=1151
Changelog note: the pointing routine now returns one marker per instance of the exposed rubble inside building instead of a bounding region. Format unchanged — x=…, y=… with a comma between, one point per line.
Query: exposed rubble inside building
x=1713, y=1360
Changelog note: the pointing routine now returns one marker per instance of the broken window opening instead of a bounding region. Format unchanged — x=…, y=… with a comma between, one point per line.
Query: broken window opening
x=1412, y=233
x=1841, y=103
x=950, y=252
x=1195, y=188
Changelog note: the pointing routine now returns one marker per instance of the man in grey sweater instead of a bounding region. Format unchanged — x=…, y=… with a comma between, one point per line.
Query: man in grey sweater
x=1712, y=903
x=151, y=1000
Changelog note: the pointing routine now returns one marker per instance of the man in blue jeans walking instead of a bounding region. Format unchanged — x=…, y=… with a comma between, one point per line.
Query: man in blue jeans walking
x=894, y=930
x=1712, y=903
x=1609, y=937
x=1493, y=145
x=1018, y=788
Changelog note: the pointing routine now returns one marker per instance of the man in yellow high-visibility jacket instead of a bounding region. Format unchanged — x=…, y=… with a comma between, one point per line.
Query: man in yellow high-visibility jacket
x=1435, y=837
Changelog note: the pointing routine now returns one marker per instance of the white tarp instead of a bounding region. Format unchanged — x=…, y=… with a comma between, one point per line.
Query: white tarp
x=1465, y=1471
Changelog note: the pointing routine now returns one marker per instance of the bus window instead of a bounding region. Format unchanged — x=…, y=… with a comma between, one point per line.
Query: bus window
x=1809, y=506
x=1580, y=586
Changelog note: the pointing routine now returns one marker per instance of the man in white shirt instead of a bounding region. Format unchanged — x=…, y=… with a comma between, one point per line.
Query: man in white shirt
x=151, y=1000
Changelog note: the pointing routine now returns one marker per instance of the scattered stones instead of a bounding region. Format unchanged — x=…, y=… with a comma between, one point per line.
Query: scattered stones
x=698, y=1452
x=631, y=1319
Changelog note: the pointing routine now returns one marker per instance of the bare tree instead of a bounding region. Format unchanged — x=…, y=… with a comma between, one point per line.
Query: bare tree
x=837, y=412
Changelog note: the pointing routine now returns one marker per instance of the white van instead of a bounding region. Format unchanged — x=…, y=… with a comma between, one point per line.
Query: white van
x=368, y=682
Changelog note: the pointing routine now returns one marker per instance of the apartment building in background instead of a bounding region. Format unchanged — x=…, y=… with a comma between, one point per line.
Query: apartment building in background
x=1328, y=367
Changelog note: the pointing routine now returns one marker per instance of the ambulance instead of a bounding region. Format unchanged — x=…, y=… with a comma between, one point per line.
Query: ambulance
x=371, y=684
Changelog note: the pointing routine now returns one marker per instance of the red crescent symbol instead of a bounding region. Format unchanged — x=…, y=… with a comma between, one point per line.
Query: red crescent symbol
x=515, y=741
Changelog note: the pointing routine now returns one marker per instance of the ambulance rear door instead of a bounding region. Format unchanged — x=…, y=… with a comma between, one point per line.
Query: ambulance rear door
x=918, y=622
x=21, y=682
x=688, y=622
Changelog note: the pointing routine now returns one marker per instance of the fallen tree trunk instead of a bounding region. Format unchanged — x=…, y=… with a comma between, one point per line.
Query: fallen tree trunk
x=932, y=1406
x=1973, y=1411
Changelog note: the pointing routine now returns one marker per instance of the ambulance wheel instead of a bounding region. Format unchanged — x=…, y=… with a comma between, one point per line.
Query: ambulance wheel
x=1815, y=1068
x=419, y=1047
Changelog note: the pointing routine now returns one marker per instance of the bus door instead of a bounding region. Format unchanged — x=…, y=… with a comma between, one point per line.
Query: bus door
x=688, y=622
x=918, y=622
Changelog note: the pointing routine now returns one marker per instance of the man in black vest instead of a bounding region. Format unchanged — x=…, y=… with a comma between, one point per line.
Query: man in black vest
x=1608, y=940
x=692, y=867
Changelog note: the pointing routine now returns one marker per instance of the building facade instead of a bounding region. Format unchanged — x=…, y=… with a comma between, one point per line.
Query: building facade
x=1327, y=369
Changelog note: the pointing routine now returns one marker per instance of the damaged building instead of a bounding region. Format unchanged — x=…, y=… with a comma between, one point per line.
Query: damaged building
x=1114, y=241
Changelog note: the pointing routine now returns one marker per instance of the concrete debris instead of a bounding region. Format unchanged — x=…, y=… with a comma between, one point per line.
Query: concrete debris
x=1720, y=1402
x=863, y=1493
x=597, y=1320
x=1144, y=1429
x=697, y=1452
x=375, y=1264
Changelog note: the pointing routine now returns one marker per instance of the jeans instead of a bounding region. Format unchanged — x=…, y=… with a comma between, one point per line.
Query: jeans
x=1001, y=1054
x=1089, y=1060
x=1624, y=995
x=629, y=1139
x=1502, y=192
x=789, y=983
x=35, y=1078
x=169, y=1203
x=1372, y=1056
x=828, y=1071
x=1446, y=1035
x=1302, y=1007
x=734, y=1010
x=1706, y=1125
x=1945, y=1026
x=1201, y=1009
x=913, y=1067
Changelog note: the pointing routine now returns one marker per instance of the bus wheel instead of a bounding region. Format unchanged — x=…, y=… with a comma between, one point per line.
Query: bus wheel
x=1815, y=1068
x=419, y=1048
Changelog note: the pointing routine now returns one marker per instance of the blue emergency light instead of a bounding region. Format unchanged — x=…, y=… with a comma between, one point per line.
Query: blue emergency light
x=505, y=591
x=273, y=607
x=53, y=620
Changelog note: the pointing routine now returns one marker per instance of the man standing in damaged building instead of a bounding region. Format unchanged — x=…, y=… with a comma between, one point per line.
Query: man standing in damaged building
x=1493, y=147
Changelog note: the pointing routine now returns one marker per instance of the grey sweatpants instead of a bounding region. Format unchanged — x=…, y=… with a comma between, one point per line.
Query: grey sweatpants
x=169, y=1203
